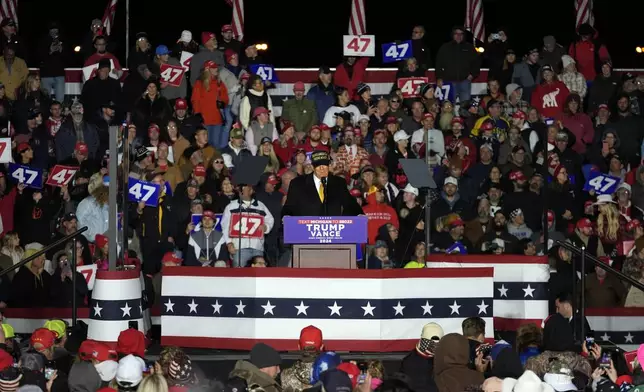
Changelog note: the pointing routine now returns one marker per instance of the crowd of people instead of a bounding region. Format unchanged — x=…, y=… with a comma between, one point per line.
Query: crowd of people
x=516, y=169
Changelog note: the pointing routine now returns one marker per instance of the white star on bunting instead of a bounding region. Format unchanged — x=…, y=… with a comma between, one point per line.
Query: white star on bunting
x=605, y=336
x=455, y=308
x=335, y=308
x=268, y=308
x=97, y=310
x=629, y=338
x=368, y=309
x=126, y=310
x=216, y=307
x=399, y=309
x=503, y=291
x=483, y=307
x=169, y=306
x=427, y=308
x=301, y=309
x=240, y=307
x=193, y=306
x=528, y=292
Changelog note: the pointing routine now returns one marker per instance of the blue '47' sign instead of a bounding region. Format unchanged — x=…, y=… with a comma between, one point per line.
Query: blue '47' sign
x=396, y=51
x=265, y=71
x=602, y=184
x=26, y=175
x=142, y=191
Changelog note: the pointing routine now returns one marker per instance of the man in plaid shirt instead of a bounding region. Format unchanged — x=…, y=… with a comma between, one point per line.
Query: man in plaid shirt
x=513, y=102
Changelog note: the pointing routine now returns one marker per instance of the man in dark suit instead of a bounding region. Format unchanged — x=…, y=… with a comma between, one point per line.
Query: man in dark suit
x=564, y=307
x=319, y=194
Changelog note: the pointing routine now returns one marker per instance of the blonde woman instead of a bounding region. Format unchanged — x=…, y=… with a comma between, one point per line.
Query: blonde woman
x=153, y=383
x=11, y=247
x=266, y=150
x=210, y=97
x=93, y=211
x=608, y=228
x=32, y=96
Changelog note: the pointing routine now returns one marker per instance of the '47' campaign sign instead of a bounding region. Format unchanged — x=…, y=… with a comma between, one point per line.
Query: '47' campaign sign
x=246, y=226
x=26, y=175
x=410, y=86
x=61, y=175
x=359, y=45
x=172, y=74
x=143, y=191
x=265, y=71
x=396, y=51
x=5, y=150
x=602, y=184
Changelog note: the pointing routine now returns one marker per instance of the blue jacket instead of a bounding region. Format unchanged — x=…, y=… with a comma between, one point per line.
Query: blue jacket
x=324, y=98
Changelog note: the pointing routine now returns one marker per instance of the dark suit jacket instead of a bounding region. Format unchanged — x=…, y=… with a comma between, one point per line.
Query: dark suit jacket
x=303, y=198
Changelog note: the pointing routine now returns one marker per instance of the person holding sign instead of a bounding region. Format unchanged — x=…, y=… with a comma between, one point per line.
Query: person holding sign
x=169, y=90
x=458, y=62
x=205, y=246
x=210, y=97
x=154, y=225
x=245, y=221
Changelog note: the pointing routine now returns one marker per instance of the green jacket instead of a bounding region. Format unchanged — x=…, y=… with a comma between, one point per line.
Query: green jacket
x=302, y=114
x=249, y=372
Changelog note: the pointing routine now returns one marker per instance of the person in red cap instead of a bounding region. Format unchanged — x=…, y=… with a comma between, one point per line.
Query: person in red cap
x=436, y=140
x=207, y=52
x=585, y=236
x=260, y=128
x=298, y=376
x=131, y=341
x=256, y=97
x=42, y=340
x=210, y=97
x=285, y=145
x=603, y=289
x=228, y=42
x=300, y=111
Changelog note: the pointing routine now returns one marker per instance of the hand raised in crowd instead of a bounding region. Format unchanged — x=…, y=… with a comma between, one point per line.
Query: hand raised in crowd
x=481, y=363
x=21, y=188
x=190, y=228
x=140, y=207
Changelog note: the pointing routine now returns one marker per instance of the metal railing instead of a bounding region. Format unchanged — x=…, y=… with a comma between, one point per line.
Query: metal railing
x=46, y=249
x=598, y=263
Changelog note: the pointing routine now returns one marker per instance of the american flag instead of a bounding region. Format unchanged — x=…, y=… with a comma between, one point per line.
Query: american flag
x=584, y=13
x=622, y=326
x=474, y=19
x=357, y=22
x=238, y=18
x=108, y=16
x=520, y=286
x=357, y=310
x=9, y=10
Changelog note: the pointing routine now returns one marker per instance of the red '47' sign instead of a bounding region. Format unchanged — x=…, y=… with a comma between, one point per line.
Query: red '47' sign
x=251, y=226
x=172, y=74
x=410, y=87
x=61, y=175
x=359, y=45
x=5, y=150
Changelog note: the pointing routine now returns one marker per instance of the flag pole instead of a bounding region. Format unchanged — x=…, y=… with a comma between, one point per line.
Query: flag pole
x=127, y=30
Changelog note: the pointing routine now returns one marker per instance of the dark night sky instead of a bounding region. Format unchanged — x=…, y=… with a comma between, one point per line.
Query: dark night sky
x=307, y=33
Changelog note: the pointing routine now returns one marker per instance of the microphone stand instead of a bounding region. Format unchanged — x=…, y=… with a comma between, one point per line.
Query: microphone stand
x=241, y=216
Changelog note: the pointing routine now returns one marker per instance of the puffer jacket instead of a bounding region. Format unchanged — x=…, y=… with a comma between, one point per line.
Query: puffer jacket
x=253, y=376
x=298, y=377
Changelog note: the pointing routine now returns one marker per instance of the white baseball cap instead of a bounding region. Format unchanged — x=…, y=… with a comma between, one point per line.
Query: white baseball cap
x=451, y=180
x=186, y=36
x=410, y=189
x=401, y=135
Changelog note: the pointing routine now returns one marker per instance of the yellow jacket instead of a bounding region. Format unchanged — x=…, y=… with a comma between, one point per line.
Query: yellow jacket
x=14, y=78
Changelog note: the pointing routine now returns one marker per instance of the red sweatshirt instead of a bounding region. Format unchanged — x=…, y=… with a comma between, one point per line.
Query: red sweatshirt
x=7, y=203
x=341, y=77
x=584, y=54
x=378, y=214
x=549, y=99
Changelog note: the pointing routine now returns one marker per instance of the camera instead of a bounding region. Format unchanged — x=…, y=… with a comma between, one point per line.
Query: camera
x=604, y=361
x=590, y=341
x=496, y=36
x=485, y=350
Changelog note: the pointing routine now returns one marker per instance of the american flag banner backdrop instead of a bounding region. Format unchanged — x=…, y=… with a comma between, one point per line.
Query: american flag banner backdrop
x=584, y=13
x=622, y=326
x=238, y=18
x=474, y=19
x=520, y=286
x=357, y=310
x=9, y=10
x=108, y=16
x=357, y=21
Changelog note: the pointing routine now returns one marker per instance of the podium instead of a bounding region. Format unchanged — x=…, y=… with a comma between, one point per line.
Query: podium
x=325, y=242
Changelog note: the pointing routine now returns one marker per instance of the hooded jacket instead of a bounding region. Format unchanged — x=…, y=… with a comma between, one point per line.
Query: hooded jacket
x=298, y=377
x=451, y=370
x=252, y=375
x=379, y=214
x=30, y=289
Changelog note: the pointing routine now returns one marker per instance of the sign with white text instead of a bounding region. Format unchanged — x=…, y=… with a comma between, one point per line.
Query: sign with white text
x=396, y=51
x=61, y=175
x=26, y=175
x=359, y=45
x=410, y=87
x=325, y=230
x=172, y=74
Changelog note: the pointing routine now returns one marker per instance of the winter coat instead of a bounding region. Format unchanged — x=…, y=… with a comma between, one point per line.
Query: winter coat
x=205, y=101
x=297, y=377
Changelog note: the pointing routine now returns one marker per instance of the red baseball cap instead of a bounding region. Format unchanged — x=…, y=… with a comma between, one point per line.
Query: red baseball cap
x=227, y=27
x=180, y=104
x=519, y=114
x=355, y=192
x=82, y=148
x=517, y=175
x=551, y=216
x=208, y=214
x=210, y=64
x=584, y=223
x=199, y=171
x=131, y=341
x=603, y=106
x=299, y=86
x=352, y=370
x=311, y=337
x=44, y=338
x=153, y=128
x=207, y=36
x=458, y=120
x=22, y=147
x=260, y=110
x=428, y=115
x=391, y=120
x=380, y=132
x=273, y=179
x=86, y=350
x=171, y=257
x=102, y=352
